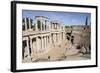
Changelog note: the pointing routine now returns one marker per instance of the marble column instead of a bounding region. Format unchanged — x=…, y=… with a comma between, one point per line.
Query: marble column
x=28, y=52
x=37, y=44
x=49, y=26
x=31, y=45
x=54, y=38
x=57, y=38
x=42, y=43
x=35, y=22
x=41, y=25
x=47, y=41
x=50, y=42
x=44, y=25
x=29, y=20
x=25, y=24
x=60, y=36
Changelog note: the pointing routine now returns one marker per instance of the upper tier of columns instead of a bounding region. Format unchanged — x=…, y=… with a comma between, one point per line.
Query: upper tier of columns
x=27, y=22
x=44, y=24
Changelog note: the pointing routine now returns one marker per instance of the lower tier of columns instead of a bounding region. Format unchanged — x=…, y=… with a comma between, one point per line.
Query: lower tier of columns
x=39, y=44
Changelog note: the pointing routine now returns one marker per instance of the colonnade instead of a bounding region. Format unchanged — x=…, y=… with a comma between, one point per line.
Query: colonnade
x=37, y=44
x=45, y=24
x=27, y=23
x=42, y=41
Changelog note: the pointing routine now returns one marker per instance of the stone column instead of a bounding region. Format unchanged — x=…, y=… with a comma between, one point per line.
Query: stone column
x=31, y=45
x=42, y=43
x=49, y=26
x=41, y=25
x=52, y=26
x=57, y=38
x=50, y=39
x=55, y=25
x=25, y=24
x=37, y=44
x=29, y=19
x=46, y=24
x=60, y=36
x=28, y=52
x=45, y=43
x=54, y=38
x=35, y=22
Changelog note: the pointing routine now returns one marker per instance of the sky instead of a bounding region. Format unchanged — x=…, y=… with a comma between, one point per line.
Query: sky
x=67, y=18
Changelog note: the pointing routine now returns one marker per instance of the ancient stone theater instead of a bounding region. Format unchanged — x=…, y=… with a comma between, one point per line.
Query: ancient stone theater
x=41, y=34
